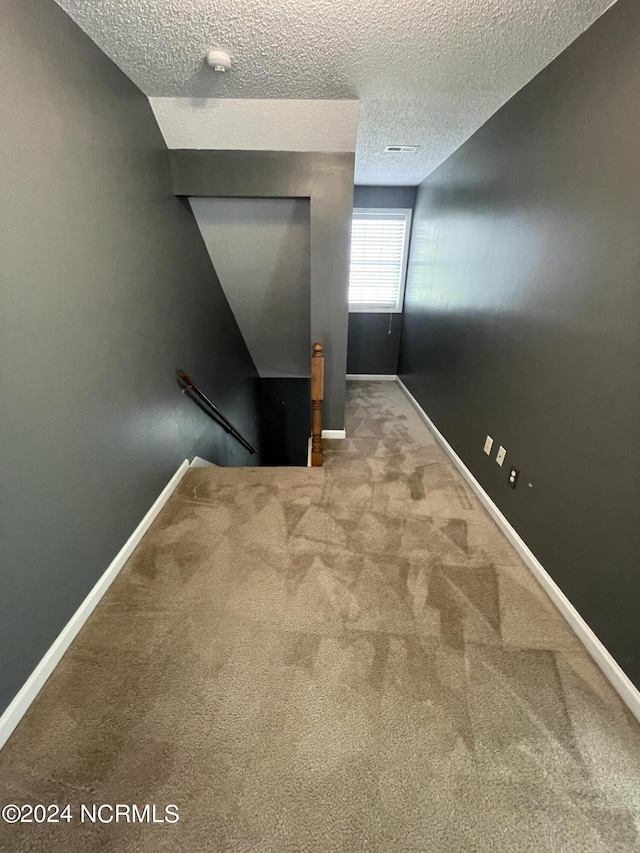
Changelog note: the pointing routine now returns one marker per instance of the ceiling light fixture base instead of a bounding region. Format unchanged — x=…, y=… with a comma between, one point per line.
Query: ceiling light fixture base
x=219, y=59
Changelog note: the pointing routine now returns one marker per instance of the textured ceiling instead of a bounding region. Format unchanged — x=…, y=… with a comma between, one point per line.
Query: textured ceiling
x=427, y=72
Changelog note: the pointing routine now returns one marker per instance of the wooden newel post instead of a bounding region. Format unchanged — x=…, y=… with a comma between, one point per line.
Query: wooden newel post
x=317, y=397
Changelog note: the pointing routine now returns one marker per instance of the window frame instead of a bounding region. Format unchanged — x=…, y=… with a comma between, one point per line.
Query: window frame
x=381, y=212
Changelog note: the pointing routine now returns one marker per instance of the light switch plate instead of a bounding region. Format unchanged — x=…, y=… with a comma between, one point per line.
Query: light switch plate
x=488, y=444
x=500, y=455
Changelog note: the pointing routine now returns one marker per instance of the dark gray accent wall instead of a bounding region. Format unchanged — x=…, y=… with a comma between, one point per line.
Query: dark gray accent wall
x=374, y=342
x=105, y=289
x=374, y=339
x=522, y=318
x=325, y=179
x=403, y=197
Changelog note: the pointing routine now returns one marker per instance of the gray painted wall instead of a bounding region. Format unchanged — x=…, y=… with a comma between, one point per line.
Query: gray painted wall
x=384, y=196
x=374, y=342
x=325, y=179
x=374, y=339
x=260, y=251
x=105, y=289
x=522, y=318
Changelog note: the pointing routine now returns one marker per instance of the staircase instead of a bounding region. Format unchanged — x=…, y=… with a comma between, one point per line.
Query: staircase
x=289, y=416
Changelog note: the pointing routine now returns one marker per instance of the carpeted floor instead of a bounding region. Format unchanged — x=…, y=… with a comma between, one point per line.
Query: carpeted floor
x=348, y=659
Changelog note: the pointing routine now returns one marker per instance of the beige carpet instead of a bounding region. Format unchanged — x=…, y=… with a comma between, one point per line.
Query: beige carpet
x=347, y=659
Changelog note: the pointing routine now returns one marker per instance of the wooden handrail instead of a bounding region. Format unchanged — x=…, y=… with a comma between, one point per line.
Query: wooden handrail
x=213, y=410
x=317, y=398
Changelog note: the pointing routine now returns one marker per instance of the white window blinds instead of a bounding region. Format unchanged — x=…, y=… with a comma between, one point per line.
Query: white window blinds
x=379, y=242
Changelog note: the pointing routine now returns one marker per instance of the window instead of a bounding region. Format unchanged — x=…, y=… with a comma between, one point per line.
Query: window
x=379, y=249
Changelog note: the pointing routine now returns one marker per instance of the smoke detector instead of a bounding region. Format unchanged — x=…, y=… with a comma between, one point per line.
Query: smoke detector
x=401, y=149
x=219, y=60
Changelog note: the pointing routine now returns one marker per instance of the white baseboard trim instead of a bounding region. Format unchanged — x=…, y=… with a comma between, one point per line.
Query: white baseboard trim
x=199, y=462
x=623, y=685
x=326, y=433
x=371, y=377
x=334, y=433
x=18, y=707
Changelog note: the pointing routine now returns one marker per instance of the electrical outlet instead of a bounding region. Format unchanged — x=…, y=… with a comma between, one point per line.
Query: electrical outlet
x=500, y=455
x=488, y=444
x=513, y=477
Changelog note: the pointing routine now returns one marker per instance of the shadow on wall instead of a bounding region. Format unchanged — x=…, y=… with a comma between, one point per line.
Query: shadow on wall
x=260, y=250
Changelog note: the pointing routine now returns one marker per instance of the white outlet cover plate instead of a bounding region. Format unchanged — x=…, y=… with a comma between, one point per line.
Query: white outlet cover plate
x=500, y=455
x=488, y=444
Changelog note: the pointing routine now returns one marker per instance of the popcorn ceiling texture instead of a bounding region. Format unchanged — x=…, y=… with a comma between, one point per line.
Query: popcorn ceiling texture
x=428, y=72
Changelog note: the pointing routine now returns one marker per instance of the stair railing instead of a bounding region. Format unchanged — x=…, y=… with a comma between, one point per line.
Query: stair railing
x=212, y=410
x=317, y=398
